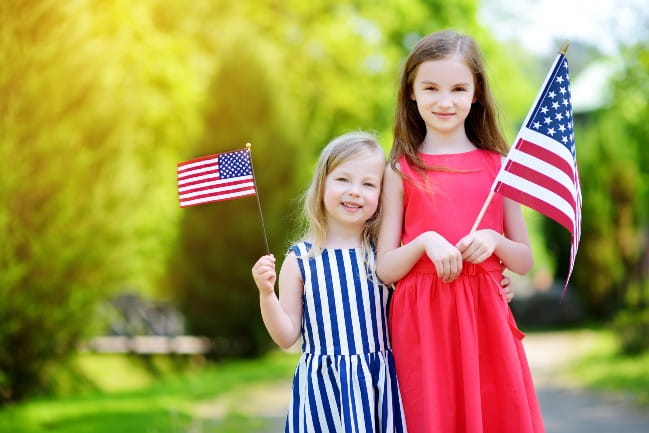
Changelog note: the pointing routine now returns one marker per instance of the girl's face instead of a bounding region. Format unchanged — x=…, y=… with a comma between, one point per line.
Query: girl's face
x=444, y=91
x=352, y=190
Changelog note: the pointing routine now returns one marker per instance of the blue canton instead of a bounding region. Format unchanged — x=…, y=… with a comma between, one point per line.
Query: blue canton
x=234, y=164
x=552, y=116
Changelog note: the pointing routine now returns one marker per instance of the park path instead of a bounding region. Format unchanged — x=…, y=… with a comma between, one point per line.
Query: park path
x=567, y=408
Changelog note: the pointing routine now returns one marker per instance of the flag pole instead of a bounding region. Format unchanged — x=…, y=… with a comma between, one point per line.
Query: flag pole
x=482, y=211
x=254, y=178
x=562, y=51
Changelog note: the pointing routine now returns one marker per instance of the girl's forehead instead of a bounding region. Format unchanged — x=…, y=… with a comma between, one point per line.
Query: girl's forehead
x=450, y=66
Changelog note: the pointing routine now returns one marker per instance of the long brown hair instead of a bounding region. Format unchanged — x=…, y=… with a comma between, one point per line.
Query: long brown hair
x=481, y=125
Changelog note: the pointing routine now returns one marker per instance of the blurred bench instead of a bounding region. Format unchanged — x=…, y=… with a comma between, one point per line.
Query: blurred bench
x=149, y=344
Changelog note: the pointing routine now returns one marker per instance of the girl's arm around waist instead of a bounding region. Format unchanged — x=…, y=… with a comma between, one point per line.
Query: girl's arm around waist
x=282, y=316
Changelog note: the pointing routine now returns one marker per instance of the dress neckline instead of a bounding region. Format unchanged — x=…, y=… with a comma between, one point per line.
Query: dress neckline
x=309, y=244
x=448, y=154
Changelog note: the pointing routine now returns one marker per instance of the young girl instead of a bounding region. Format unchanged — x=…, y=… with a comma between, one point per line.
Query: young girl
x=331, y=297
x=458, y=353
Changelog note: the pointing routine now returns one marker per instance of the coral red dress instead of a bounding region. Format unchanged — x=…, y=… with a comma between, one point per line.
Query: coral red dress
x=459, y=357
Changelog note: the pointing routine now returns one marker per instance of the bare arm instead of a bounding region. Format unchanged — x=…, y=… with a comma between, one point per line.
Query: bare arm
x=516, y=253
x=282, y=316
x=395, y=260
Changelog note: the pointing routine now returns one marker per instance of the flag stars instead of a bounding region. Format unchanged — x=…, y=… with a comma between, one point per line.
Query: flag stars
x=562, y=128
x=552, y=94
x=560, y=79
x=563, y=91
x=544, y=110
x=558, y=116
x=548, y=120
x=537, y=125
x=551, y=131
x=555, y=105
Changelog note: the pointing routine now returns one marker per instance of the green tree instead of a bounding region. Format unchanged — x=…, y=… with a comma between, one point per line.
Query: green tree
x=92, y=104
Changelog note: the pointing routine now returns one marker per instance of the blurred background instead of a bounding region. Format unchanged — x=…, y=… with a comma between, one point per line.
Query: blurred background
x=99, y=100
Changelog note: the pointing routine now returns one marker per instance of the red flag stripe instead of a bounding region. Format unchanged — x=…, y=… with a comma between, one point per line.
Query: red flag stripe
x=212, y=168
x=211, y=190
x=214, y=174
x=546, y=155
x=197, y=162
x=544, y=166
x=536, y=204
x=208, y=198
x=542, y=180
x=210, y=183
x=538, y=191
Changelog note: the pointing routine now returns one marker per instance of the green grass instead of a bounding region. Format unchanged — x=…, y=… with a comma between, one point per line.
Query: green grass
x=605, y=368
x=161, y=398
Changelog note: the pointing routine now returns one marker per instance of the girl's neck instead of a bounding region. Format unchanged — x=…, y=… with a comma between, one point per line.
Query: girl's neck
x=338, y=237
x=435, y=143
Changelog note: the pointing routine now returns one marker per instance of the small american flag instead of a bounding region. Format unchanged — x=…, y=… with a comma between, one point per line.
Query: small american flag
x=541, y=168
x=223, y=176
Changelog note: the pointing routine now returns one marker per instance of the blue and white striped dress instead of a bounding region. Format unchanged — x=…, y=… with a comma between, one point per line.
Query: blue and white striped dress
x=345, y=380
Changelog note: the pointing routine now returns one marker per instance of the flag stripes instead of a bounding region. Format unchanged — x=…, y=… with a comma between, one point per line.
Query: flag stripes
x=214, y=178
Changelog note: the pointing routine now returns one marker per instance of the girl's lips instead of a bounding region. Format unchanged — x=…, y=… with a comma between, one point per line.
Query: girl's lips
x=351, y=206
x=444, y=115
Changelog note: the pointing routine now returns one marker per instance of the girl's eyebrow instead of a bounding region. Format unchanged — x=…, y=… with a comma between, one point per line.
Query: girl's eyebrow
x=432, y=82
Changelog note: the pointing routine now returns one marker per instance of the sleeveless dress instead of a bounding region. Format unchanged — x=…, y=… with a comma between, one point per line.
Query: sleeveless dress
x=458, y=353
x=345, y=379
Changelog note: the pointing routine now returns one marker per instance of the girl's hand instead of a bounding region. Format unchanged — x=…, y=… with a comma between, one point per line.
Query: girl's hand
x=446, y=258
x=265, y=275
x=478, y=246
x=509, y=293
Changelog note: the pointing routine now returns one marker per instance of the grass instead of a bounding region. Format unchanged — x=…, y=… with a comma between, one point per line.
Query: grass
x=158, y=398
x=606, y=369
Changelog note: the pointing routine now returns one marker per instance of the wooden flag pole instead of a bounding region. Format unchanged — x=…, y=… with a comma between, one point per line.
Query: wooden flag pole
x=261, y=214
x=482, y=211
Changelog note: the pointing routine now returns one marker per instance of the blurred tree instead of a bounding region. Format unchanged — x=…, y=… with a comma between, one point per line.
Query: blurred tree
x=92, y=102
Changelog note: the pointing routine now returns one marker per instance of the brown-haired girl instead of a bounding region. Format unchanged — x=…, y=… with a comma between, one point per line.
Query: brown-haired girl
x=459, y=357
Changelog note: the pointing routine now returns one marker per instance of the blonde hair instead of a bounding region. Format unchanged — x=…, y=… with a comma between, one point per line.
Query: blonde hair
x=481, y=125
x=338, y=151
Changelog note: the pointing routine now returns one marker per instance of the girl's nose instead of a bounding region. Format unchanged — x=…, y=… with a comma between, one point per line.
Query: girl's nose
x=354, y=189
x=444, y=100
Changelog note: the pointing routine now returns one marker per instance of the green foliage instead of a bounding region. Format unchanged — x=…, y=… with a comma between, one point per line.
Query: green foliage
x=83, y=114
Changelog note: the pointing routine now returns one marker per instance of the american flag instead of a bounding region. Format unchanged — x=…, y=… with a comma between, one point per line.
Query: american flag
x=541, y=168
x=223, y=176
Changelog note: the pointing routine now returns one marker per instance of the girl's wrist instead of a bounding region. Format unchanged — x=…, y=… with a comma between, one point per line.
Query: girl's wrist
x=265, y=294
